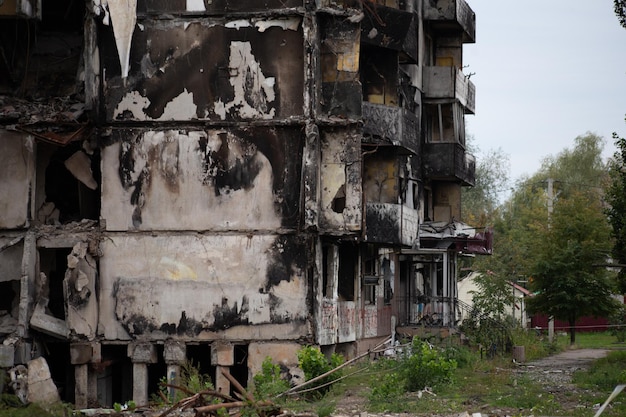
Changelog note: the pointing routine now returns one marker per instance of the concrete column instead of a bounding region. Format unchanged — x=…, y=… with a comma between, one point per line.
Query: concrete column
x=141, y=354
x=222, y=384
x=175, y=354
x=222, y=356
x=140, y=383
x=85, y=390
x=81, y=396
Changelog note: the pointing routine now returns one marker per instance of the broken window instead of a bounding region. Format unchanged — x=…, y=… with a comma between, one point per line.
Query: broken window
x=71, y=176
x=370, y=274
x=329, y=270
x=348, y=258
x=239, y=370
x=446, y=123
x=379, y=75
x=49, y=289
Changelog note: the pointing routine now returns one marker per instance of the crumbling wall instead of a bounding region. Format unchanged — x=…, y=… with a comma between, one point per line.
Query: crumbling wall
x=196, y=287
x=341, y=193
x=237, y=179
x=207, y=70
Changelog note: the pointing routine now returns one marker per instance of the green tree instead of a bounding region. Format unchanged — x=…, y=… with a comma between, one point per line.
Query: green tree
x=567, y=278
x=528, y=242
x=616, y=199
x=480, y=202
x=525, y=213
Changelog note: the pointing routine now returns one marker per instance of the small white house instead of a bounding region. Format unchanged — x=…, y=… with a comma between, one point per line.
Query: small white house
x=467, y=287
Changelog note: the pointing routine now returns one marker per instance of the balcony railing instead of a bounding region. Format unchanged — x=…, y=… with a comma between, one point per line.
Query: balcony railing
x=428, y=311
x=449, y=83
x=452, y=15
x=449, y=162
x=391, y=223
x=391, y=125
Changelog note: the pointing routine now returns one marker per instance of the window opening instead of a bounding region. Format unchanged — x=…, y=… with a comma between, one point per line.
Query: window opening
x=370, y=274
x=348, y=257
x=71, y=191
x=240, y=368
x=53, y=264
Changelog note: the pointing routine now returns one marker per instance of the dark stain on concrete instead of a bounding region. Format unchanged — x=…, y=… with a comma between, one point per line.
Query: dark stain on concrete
x=226, y=317
x=288, y=255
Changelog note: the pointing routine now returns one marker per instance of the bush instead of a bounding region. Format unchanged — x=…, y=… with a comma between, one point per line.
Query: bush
x=314, y=363
x=268, y=383
x=425, y=367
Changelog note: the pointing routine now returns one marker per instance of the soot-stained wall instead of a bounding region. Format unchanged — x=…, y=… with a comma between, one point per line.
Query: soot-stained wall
x=341, y=195
x=193, y=286
x=207, y=69
x=237, y=179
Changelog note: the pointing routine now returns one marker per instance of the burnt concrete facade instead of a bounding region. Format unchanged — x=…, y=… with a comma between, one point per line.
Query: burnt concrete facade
x=224, y=181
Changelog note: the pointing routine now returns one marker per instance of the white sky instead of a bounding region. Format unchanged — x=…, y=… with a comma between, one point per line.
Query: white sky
x=546, y=71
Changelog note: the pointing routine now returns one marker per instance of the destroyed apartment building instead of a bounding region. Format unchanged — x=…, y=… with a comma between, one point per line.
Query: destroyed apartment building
x=222, y=181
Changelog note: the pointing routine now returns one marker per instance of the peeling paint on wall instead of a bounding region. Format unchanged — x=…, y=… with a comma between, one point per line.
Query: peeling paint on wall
x=196, y=70
x=245, y=178
x=253, y=91
x=252, y=280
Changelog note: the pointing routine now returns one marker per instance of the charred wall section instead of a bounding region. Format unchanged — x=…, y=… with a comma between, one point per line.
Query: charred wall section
x=210, y=69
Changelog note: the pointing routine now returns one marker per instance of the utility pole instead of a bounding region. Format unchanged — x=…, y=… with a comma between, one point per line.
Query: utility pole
x=550, y=208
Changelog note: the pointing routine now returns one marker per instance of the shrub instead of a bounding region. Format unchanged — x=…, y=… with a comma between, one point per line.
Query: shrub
x=268, y=383
x=314, y=363
x=425, y=367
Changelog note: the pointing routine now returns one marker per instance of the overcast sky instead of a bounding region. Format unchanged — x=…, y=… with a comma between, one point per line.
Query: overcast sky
x=545, y=71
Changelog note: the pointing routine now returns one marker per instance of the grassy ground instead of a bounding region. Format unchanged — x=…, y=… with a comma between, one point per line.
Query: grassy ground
x=493, y=386
x=489, y=386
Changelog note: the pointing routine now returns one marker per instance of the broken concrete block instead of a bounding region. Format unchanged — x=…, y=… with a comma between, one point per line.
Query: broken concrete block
x=175, y=353
x=222, y=354
x=48, y=324
x=41, y=388
x=19, y=382
x=7, y=356
x=8, y=324
x=79, y=165
x=142, y=353
x=23, y=352
x=80, y=353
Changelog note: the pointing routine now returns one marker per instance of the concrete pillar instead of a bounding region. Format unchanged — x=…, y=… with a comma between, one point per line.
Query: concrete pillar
x=175, y=354
x=140, y=383
x=141, y=354
x=85, y=390
x=81, y=396
x=222, y=356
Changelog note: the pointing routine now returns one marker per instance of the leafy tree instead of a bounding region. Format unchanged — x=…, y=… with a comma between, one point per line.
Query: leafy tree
x=480, y=202
x=567, y=279
x=620, y=11
x=616, y=198
x=557, y=251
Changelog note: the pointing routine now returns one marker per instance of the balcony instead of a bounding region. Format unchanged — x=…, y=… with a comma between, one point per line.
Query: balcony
x=451, y=16
x=391, y=223
x=444, y=83
x=389, y=27
x=391, y=125
x=448, y=162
